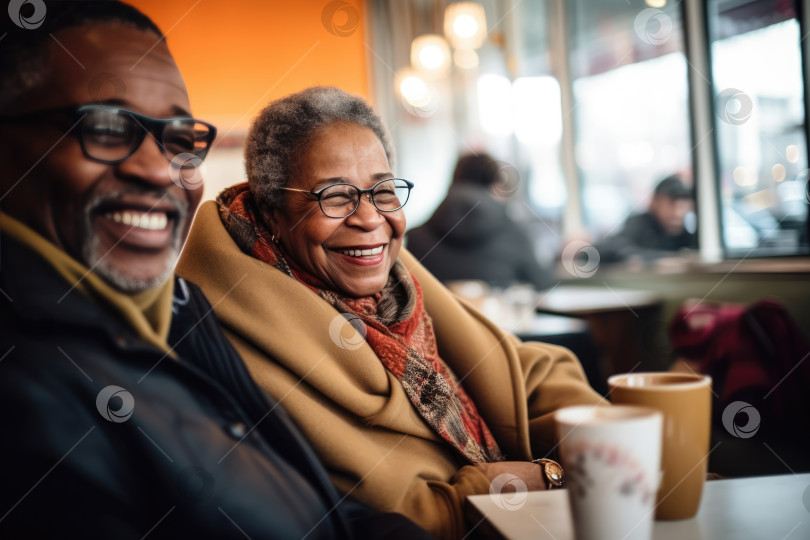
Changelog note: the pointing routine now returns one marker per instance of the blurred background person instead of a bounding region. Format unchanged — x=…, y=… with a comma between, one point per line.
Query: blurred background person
x=659, y=231
x=471, y=235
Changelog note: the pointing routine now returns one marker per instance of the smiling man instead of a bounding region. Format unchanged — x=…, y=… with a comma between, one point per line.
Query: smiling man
x=125, y=412
x=91, y=174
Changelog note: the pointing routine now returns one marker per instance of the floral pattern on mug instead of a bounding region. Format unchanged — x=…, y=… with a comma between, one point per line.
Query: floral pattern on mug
x=603, y=467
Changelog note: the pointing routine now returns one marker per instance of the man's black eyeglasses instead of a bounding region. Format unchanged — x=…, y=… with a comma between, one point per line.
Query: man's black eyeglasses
x=109, y=134
x=342, y=200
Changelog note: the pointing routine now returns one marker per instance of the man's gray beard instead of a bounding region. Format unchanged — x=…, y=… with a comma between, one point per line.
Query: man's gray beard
x=101, y=266
x=97, y=261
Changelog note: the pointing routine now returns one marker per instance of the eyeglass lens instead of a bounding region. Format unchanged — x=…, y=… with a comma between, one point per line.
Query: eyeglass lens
x=342, y=199
x=111, y=134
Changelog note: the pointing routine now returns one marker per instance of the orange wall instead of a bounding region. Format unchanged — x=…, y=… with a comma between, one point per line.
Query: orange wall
x=238, y=55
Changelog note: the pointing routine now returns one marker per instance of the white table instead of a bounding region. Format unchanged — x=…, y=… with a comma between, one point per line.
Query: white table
x=757, y=508
x=580, y=301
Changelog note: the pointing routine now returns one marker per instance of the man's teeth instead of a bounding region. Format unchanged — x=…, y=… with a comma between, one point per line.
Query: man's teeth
x=362, y=252
x=142, y=220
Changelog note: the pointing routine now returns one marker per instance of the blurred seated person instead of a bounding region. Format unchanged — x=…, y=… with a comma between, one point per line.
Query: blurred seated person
x=659, y=231
x=471, y=236
x=411, y=398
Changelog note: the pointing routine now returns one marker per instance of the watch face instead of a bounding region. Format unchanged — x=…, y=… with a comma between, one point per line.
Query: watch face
x=554, y=472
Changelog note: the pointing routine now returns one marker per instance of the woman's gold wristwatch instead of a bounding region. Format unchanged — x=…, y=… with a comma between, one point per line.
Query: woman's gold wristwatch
x=553, y=472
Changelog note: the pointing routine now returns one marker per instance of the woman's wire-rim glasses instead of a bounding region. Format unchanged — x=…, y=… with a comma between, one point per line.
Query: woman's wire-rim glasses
x=341, y=200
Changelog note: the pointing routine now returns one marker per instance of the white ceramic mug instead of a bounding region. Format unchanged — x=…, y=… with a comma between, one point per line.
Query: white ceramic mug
x=612, y=462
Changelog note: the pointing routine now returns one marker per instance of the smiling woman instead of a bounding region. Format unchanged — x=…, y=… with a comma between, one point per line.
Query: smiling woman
x=327, y=247
x=366, y=349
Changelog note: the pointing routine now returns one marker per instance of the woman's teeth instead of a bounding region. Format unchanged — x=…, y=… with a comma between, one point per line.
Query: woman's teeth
x=362, y=252
x=142, y=220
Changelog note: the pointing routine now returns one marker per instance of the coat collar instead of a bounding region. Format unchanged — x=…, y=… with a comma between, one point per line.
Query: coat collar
x=36, y=293
x=38, y=296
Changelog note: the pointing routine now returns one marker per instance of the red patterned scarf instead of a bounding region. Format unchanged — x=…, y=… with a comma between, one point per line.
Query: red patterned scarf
x=397, y=328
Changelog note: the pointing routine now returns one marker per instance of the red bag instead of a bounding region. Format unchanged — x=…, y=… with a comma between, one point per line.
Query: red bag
x=755, y=354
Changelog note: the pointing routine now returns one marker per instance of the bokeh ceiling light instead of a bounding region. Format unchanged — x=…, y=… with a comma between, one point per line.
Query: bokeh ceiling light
x=414, y=90
x=744, y=176
x=416, y=94
x=792, y=153
x=656, y=3
x=778, y=172
x=430, y=55
x=465, y=25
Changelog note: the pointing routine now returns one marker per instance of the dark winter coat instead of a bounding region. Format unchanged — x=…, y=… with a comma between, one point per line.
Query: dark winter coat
x=204, y=454
x=471, y=236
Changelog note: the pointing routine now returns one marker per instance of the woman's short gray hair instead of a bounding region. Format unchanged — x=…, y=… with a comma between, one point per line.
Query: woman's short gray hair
x=283, y=129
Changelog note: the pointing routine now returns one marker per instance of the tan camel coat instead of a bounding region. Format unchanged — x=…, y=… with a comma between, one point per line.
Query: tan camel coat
x=356, y=414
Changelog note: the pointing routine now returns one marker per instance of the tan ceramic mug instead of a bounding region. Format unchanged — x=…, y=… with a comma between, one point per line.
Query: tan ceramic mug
x=686, y=401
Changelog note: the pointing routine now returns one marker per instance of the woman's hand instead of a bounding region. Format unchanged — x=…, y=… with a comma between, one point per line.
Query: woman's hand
x=530, y=473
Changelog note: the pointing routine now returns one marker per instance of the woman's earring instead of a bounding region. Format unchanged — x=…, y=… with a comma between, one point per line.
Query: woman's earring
x=274, y=239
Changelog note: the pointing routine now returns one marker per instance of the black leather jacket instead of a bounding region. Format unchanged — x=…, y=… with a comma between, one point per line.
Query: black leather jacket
x=204, y=452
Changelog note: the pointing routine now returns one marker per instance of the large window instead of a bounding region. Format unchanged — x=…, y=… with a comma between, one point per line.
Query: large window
x=631, y=110
x=590, y=103
x=759, y=126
